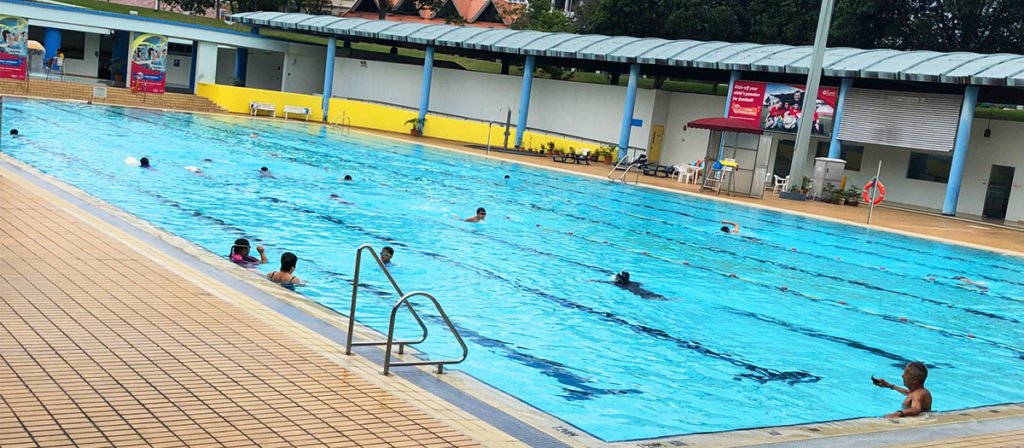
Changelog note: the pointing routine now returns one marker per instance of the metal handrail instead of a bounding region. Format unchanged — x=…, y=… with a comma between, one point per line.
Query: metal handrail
x=352, y=310
x=625, y=172
x=391, y=333
x=340, y=118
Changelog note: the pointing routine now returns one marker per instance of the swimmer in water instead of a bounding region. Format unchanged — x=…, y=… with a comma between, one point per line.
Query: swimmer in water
x=284, y=276
x=919, y=399
x=144, y=163
x=735, y=227
x=337, y=198
x=347, y=178
x=14, y=132
x=265, y=172
x=386, y=253
x=254, y=135
x=481, y=214
x=240, y=253
x=622, y=281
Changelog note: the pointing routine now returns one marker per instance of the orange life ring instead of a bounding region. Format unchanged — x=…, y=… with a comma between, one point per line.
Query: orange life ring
x=867, y=189
x=136, y=84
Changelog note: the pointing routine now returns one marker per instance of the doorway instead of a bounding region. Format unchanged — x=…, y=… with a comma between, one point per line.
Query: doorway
x=783, y=158
x=998, y=195
x=657, y=133
x=106, y=51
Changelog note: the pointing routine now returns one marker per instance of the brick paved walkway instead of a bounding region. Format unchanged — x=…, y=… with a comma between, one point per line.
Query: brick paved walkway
x=100, y=346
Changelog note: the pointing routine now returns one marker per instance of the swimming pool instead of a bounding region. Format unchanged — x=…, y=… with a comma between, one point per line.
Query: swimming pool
x=815, y=308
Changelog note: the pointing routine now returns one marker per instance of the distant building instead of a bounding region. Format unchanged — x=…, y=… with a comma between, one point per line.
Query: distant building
x=481, y=13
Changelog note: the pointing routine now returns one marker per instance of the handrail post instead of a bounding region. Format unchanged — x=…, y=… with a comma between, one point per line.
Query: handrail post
x=352, y=310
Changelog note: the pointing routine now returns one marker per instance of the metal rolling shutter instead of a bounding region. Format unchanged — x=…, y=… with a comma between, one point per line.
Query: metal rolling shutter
x=925, y=121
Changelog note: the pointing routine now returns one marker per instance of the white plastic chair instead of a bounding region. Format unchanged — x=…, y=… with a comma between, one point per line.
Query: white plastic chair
x=780, y=182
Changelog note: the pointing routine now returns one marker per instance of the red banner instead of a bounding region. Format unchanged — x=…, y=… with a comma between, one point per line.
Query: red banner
x=13, y=48
x=746, y=102
x=777, y=107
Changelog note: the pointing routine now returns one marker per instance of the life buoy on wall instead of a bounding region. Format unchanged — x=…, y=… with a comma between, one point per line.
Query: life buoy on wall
x=867, y=189
x=136, y=85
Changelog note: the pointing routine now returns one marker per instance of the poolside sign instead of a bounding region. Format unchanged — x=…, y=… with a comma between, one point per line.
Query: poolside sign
x=13, y=48
x=149, y=63
x=776, y=107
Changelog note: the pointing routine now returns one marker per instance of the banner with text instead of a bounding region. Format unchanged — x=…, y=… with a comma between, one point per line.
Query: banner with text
x=149, y=63
x=776, y=107
x=13, y=47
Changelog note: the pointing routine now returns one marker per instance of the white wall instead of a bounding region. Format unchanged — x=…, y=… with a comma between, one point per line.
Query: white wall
x=304, y=73
x=589, y=111
x=89, y=64
x=684, y=147
x=179, y=76
x=264, y=70
x=1003, y=148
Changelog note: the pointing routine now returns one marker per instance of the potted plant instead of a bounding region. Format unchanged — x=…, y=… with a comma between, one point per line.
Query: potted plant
x=828, y=195
x=416, y=126
x=805, y=185
x=852, y=196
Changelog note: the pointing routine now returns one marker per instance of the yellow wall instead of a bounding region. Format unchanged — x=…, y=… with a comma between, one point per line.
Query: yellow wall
x=378, y=116
x=236, y=99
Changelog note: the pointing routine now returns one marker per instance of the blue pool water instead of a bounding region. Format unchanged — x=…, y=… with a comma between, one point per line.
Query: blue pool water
x=528, y=288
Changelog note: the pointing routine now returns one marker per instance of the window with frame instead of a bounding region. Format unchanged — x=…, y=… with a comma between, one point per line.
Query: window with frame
x=853, y=155
x=929, y=166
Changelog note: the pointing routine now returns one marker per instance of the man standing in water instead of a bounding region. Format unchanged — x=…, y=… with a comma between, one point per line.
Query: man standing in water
x=918, y=398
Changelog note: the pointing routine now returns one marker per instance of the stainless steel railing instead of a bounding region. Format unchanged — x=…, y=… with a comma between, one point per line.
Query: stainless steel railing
x=352, y=309
x=404, y=300
x=391, y=333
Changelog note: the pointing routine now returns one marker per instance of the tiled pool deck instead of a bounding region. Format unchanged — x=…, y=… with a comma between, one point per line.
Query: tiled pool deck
x=106, y=340
x=102, y=344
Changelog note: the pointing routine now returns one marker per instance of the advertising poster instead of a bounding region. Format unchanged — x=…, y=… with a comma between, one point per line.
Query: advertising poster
x=13, y=47
x=149, y=63
x=776, y=107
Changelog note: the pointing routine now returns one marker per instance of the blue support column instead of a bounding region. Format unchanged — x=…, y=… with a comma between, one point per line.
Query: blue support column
x=241, y=63
x=428, y=68
x=627, y=111
x=963, y=137
x=524, y=99
x=332, y=46
x=51, y=40
x=733, y=77
x=192, y=70
x=835, y=145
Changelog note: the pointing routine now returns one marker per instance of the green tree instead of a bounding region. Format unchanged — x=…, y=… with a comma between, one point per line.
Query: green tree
x=257, y=5
x=640, y=18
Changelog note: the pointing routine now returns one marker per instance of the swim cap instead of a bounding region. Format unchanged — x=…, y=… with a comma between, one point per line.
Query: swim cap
x=622, y=277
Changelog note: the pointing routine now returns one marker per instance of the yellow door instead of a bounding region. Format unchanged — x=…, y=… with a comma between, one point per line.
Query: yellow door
x=654, y=151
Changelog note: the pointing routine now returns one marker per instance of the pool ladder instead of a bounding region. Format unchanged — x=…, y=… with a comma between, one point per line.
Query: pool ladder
x=622, y=178
x=343, y=120
x=404, y=300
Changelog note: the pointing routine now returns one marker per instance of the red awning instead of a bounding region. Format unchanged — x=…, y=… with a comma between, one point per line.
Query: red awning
x=726, y=125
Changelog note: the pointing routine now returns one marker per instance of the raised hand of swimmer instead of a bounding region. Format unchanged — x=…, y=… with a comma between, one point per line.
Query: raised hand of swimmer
x=881, y=382
x=259, y=249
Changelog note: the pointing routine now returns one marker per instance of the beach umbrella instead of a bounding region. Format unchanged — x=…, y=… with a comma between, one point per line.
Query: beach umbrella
x=35, y=45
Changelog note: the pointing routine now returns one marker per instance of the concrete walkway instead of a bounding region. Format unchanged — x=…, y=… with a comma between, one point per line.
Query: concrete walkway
x=104, y=343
